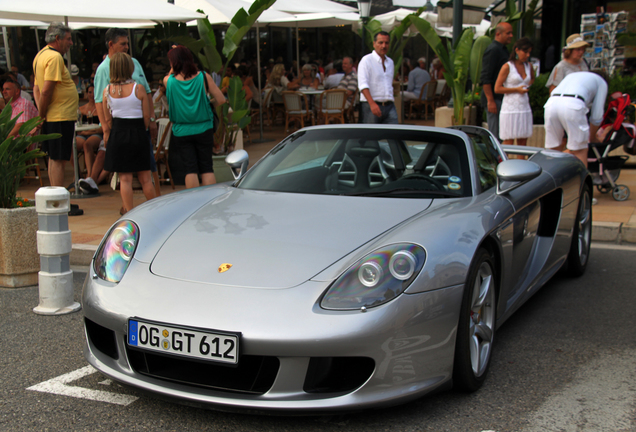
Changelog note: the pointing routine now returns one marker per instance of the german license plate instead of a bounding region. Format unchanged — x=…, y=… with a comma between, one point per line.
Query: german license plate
x=187, y=342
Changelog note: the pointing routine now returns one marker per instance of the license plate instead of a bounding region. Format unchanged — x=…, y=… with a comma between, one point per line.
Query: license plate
x=187, y=342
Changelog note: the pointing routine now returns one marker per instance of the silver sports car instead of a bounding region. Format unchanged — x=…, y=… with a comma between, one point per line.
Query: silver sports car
x=351, y=267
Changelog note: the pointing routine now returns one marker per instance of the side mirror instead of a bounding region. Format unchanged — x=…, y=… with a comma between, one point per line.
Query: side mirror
x=238, y=161
x=513, y=173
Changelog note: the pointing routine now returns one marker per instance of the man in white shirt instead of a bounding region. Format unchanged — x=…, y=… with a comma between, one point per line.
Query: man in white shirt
x=566, y=111
x=375, y=81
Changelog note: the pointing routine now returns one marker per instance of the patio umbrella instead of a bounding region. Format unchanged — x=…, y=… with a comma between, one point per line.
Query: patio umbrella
x=94, y=12
x=86, y=11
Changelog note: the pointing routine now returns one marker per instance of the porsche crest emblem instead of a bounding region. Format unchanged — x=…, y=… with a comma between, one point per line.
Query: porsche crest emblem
x=224, y=267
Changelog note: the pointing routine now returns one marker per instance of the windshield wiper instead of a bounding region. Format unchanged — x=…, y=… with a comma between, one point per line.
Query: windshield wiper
x=405, y=191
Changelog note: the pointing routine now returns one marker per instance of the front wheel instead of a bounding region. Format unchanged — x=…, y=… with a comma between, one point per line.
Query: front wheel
x=620, y=193
x=581, y=236
x=476, y=328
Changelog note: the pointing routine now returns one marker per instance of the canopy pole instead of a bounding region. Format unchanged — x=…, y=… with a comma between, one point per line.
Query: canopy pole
x=68, y=55
x=37, y=38
x=130, y=44
x=7, y=51
x=297, y=51
x=458, y=17
x=258, y=64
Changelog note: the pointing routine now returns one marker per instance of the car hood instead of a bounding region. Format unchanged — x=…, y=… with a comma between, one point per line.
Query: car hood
x=275, y=240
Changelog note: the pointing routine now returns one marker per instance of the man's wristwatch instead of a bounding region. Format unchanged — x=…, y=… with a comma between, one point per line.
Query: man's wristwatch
x=152, y=119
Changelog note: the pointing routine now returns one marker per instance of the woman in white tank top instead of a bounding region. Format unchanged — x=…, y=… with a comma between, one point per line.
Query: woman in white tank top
x=125, y=127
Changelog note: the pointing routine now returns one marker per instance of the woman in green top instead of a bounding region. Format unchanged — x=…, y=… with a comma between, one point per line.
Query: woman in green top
x=191, y=116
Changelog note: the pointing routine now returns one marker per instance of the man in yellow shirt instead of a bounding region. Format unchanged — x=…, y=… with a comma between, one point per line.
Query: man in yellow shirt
x=56, y=98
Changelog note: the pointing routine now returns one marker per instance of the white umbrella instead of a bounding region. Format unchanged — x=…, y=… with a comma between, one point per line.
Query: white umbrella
x=88, y=11
x=314, y=6
x=222, y=12
x=393, y=19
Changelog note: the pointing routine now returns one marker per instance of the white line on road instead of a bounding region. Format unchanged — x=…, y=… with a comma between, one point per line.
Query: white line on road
x=59, y=385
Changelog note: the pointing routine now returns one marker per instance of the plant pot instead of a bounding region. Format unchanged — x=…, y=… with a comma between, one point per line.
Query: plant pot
x=444, y=116
x=19, y=259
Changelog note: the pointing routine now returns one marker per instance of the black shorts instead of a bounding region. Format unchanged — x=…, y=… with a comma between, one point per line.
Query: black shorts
x=59, y=148
x=195, y=151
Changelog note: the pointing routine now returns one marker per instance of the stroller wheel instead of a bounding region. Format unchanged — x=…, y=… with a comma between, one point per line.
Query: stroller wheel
x=603, y=189
x=620, y=193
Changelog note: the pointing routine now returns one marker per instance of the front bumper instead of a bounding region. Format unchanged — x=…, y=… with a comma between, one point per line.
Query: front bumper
x=409, y=342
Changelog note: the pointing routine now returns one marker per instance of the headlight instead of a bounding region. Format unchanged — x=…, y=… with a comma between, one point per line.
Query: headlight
x=376, y=279
x=115, y=253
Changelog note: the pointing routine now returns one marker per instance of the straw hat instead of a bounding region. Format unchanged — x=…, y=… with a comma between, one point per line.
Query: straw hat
x=74, y=70
x=575, y=41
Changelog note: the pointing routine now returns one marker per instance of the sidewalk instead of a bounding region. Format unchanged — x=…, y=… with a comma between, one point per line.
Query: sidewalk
x=613, y=221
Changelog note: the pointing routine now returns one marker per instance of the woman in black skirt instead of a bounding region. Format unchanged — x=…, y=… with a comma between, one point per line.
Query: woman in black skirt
x=125, y=135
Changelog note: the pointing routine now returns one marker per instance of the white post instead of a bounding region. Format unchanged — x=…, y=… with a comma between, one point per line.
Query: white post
x=54, y=246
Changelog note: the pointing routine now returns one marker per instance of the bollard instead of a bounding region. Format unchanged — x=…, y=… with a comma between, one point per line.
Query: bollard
x=54, y=246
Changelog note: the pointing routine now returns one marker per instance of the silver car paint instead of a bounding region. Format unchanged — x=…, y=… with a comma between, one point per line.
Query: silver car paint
x=290, y=324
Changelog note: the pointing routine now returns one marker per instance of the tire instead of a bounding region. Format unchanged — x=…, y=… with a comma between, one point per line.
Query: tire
x=476, y=328
x=579, y=254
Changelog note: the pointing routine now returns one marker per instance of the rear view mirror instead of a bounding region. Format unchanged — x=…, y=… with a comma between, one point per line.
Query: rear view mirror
x=513, y=173
x=238, y=161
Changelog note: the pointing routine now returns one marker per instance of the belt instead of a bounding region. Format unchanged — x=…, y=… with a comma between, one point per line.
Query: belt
x=570, y=95
x=384, y=103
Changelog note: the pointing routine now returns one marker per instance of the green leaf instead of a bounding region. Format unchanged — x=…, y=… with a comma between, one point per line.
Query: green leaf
x=476, y=57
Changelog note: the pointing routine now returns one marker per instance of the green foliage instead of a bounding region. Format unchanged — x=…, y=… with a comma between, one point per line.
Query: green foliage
x=538, y=95
x=240, y=116
x=623, y=84
x=14, y=154
x=205, y=49
x=456, y=63
x=398, y=41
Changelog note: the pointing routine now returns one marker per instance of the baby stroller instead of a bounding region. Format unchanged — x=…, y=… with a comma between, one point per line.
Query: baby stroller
x=605, y=169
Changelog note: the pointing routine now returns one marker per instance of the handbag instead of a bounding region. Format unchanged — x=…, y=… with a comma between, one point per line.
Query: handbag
x=215, y=116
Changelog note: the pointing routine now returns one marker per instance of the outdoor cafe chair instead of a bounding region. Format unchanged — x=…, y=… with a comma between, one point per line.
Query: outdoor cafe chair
x=296, y=109
x=331, y=105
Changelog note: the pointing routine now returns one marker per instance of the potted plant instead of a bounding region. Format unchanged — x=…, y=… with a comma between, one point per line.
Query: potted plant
x=19, y=259
x=456, y=61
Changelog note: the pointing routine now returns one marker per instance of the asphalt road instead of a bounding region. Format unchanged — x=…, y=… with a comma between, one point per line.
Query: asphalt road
x=565, y=362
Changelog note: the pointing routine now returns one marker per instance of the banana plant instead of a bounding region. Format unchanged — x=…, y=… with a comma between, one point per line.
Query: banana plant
x=456, y=62
x=15, y=154
x=476, y=57
x=206, y=50
x=398, y=41
x=240, y=115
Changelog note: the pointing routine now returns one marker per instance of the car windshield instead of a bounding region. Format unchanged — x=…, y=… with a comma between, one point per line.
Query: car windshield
x=365, y=162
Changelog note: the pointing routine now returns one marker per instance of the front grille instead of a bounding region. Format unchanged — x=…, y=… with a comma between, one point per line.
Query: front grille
x=102, y=338
x=253, y=374
x=337, y=374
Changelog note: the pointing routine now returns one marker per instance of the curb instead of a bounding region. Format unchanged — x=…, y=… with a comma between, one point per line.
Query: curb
x=82, y=254
x=614, y=232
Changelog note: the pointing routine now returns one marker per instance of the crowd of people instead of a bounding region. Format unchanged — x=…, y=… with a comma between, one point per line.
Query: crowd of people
x=574, y=92
x=118, y=100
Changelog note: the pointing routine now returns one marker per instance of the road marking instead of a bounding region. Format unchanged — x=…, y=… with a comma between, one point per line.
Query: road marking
x=613, y=246
x=59, y=385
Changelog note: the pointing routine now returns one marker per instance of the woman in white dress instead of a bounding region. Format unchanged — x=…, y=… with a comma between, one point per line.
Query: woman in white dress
x=514, y=80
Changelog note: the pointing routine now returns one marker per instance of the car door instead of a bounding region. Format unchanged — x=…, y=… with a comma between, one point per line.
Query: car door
x=518, y=235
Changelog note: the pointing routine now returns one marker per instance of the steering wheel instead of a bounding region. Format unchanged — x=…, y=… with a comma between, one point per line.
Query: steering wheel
x=417, y=176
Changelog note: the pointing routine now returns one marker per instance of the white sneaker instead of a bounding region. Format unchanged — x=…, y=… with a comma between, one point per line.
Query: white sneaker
x=88, y=186
x=594, y=201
